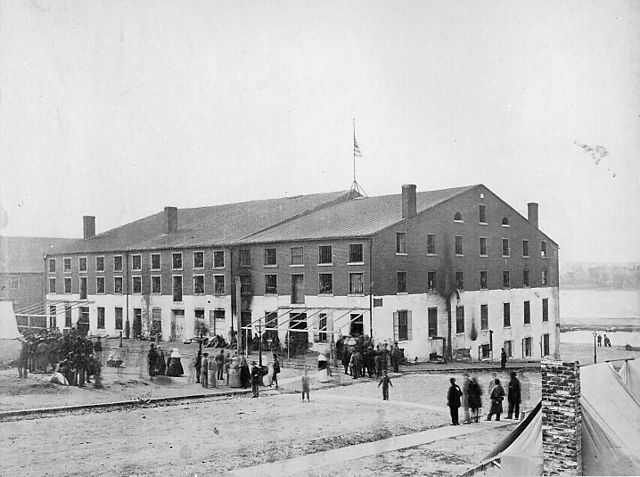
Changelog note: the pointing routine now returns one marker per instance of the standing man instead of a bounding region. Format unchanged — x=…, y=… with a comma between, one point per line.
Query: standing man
x=513, y=397
x=599, y=340
x=256, y=374
x=453, y=400
x=204, y=370
x=496, y=396
x=152, y=356
x=276, y=369
x=386, y=382
x=466, y=383
x=23, y=360
x=220, y=362
x=198, y=363
x=503, y=359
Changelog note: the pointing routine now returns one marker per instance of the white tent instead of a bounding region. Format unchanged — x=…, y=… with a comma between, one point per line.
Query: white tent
x=10, y=337
x=630, y=375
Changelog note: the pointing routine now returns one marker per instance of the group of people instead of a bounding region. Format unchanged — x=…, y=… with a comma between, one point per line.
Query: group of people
x=607, y=341
x=470, y=398
x=362, y=359
x=158, y=365
x=73, y=357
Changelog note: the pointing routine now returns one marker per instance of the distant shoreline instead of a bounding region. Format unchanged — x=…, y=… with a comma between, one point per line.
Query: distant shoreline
x=598, y=326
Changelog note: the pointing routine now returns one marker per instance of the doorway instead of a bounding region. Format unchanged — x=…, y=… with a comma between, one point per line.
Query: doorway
x=177, y=325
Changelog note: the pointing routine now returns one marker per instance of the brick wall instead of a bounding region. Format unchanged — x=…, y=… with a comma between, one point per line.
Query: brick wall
x=561, y=418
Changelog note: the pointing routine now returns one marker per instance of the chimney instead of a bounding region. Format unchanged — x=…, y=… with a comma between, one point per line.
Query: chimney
x=408, y=201
x=170, y=220
x=89, y=226
x=533, y=213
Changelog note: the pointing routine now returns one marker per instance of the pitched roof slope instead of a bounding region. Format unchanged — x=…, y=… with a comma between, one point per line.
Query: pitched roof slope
x=354, y=218
x=25, y=254
x=204, y=226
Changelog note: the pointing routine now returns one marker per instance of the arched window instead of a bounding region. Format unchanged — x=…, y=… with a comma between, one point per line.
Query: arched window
x=457, y=217
x=505, y=222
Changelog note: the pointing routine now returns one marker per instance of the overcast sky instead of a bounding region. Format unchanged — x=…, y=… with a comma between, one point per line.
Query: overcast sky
x=119, y=108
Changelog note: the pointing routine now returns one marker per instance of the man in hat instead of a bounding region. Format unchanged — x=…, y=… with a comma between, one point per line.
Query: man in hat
x=513, y=396
x=256, y=374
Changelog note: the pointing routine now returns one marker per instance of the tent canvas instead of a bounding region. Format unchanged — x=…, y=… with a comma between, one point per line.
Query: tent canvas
x=9, y=335
x=630, y=375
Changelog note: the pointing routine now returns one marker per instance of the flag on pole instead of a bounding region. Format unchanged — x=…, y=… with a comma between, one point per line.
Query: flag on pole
x=356, y=148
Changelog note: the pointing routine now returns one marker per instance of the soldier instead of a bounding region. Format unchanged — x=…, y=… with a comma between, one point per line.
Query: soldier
x=386, y=382
x=152, y=357
x=256, y=374
x=204, y=370
x=513, y=397
x=23, y=360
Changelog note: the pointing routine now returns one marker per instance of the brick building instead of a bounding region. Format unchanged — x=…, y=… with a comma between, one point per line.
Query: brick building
x=455, y=271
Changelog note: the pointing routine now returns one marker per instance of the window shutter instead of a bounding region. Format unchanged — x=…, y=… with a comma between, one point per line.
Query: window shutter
x=409, y=326
x=395, y=326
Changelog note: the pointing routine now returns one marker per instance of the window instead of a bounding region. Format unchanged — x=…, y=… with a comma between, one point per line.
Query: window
x=99, y=264
x=431, y=280
x=136, y=285
x=198, y=259
x=484, y=317
x=117, y=285
x=506, y=315
x=544, y=278
x=218, y=319
x=297, y=289
x=218, y=284
x=458, y=241
x=525, y=248
x=100, y=285
x=101, y=318
x=508, y=348
x=156, y=284
x=484, y=280
x=155, y=261
x=271, y=284
x=269, y=256
x=506, y=281
x=543, y=249
x=118, y=315
x=176, y=261
x=355, y=253
x=67, y=265
x=67, y=316
x=198, y=284
x=67, y=285
x=136, y=262
x=52, y=265
x=545, y=344
x=218, y=259
x=297, y=256
x=457, y=217
x=245, y=257
x=525, y=278
x=52, y=317
x=156, y=321
x=505, y=222
x=459, y=279
x=322, y=328
x=325, y=281
x=52, y=285
x=482, y=214
x=402, y=325
x=483, y=246
x=459, y=319
x=83, y=288
x=325, y=255
x=117, y=263
x=402, y=282
x=431, y=244
x=527, y=312
x=526, y=347
x=245, y=285
x=401, y=242
x=505, y=247
x=177, y=287
x=545, y=309
x=356, y=284
x=432, y=318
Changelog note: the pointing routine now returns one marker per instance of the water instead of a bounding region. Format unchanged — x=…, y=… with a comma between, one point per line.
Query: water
x=613, y=307
x=618, y=338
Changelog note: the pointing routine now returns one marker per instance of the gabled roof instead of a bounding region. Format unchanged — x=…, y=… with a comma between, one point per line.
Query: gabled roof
x=26, y=254
x=355, y=218
x=216, y=225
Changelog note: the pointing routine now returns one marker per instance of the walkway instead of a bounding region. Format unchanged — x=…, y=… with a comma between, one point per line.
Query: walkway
x=306, y=463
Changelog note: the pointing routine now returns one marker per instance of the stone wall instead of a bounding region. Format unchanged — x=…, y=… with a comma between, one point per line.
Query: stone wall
x=561, y=418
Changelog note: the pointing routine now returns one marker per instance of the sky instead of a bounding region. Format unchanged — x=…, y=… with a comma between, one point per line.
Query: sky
x=117, y=109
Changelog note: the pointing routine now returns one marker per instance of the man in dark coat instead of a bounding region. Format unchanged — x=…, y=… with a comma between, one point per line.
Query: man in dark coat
x=513, y=397
x=453, y=400
x=496, y=396
x=503, y=359
x=152, y=357
x=256, y=374
x=346, y=358
x=220, y=361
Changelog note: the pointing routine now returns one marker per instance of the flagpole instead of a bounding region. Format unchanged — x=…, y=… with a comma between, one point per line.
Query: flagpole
x=354, y=150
